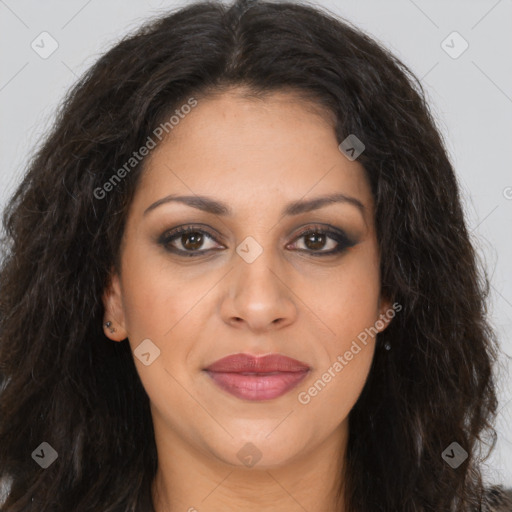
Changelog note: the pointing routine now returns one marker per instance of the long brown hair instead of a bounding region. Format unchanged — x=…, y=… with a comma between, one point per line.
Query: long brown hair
x=63, y=382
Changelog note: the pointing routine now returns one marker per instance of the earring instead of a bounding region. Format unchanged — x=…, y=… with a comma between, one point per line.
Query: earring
x=108, y=325
x=387, y=345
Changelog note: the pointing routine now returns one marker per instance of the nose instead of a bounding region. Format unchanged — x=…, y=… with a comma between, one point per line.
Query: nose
x=257, y=296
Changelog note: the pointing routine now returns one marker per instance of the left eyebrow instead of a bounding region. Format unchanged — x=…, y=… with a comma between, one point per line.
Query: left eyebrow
x=210, y=205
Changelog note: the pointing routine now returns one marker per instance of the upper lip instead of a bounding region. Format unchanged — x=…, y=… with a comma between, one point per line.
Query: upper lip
x=247, y=363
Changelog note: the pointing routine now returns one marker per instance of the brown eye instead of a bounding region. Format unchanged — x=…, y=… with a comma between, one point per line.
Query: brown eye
x=188, y=241
x=315, y=241
x=192, y=241
x=319, y=241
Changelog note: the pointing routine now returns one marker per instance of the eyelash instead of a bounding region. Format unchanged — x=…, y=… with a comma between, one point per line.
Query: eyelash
x=343, y=241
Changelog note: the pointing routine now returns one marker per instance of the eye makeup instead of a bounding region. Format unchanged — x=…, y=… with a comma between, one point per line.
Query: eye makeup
x=192, y=239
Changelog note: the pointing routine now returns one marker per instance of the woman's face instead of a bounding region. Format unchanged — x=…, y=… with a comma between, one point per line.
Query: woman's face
x=267, y=268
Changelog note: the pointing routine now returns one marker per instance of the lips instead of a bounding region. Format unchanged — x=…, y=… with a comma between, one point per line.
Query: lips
x=257, y=378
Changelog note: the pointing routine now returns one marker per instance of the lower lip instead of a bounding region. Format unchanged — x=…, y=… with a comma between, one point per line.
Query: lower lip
x=257, y=387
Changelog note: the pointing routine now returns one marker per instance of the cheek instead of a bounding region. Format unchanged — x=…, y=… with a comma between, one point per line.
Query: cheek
x=326, y=402
x=159, y=306
x=348, y=303
x=349, y=309
x=156, y=297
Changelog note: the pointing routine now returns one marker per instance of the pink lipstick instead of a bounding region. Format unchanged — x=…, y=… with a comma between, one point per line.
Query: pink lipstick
x=257, y=377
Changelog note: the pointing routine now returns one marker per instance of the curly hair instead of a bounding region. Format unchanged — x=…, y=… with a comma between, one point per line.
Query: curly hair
x=62, y=380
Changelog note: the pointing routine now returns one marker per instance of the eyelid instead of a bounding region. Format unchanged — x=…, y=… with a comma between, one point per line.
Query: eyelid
x=336, y=234
x=174, y=233
x=343, y=240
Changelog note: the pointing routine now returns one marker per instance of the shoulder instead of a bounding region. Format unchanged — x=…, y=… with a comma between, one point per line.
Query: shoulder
x=497, y=499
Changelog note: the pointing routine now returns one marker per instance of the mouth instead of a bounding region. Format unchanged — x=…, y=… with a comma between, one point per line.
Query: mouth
x=257, y=378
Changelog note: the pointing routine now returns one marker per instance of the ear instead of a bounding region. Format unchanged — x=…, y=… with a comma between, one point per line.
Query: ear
x=114, y=311
x=387, y=312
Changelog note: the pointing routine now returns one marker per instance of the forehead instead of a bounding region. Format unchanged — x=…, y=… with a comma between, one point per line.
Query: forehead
x=242, y=149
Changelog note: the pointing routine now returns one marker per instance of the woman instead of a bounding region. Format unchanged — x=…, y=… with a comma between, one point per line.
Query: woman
x=238, y=277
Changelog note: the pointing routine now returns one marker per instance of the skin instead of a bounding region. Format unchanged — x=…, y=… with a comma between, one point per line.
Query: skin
x=256, y=156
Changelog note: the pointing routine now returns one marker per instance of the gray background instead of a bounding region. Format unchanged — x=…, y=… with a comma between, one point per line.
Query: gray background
x=471, y=96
